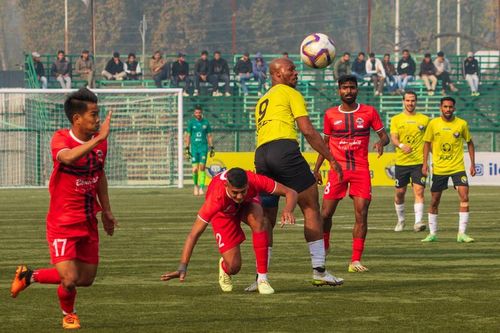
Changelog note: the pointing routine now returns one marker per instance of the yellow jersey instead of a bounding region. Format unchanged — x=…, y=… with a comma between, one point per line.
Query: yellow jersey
x=447, y=146
x=410, y=130
x=275, y=114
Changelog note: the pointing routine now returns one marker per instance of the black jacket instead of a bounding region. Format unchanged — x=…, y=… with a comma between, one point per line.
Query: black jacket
x=243, y=66
x=219, y=66
x=40, y=71
x=427, y=68
x=114, y=68
x=406, y=66
x=471, y=66
x=179, y=68
x=201, y=67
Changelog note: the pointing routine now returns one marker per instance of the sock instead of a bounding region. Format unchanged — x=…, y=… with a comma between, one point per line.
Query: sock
x=269, y=253
x=400, y=211
x=358, y=245
x=326, y=239
x=195, y=178
x=433, y=223
x=463, y=220
x=419, y=211
x=261, y=277
x=46, y=276
x=317, y=251
x=260, y=247
x=66, y=299
x=224, y=268
x=201, y=179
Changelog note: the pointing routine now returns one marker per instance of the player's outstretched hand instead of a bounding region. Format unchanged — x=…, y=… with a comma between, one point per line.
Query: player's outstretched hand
x=187, y=152
x=287, y=218
x=425, y=170
x=379, y=147
x=472, y=170
x=212, y=151
x=109, y=222
x=319, y=178
x=104, y=129
x=335, y=166
x=173, y=275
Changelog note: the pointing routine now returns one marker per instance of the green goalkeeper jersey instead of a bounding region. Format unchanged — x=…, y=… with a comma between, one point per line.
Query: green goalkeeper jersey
x=198, y=131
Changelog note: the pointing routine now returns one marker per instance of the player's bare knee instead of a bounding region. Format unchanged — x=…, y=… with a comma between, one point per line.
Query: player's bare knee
x=464, y=203
x=69, y=282
x=86, y=282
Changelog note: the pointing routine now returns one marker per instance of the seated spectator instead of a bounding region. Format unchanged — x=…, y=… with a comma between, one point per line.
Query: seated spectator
x=342, y=66
x=39, y=70
x=180, y=73
x=132, y=67
x=428, y=74
x=406, y=70
x=390, y=74
x=243, y=71
x=160, y=69
x=259, y=68
x=201, y=69
x=61, y=69
x=85, y=67
x=115, y=69
x=375, y=69
x=219, y=71
x=443, y=73
x=358, y=68
x=471, y=73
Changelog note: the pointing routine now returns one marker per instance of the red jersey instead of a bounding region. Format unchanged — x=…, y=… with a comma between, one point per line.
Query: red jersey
x=73, y=187
x=218, y=201
x=349, y=133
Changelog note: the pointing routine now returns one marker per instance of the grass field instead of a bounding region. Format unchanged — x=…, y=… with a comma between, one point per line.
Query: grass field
x=411, y=287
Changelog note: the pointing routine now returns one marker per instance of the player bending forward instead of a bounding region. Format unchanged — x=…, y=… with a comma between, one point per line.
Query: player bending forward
x=232, y=197
x=77, y=181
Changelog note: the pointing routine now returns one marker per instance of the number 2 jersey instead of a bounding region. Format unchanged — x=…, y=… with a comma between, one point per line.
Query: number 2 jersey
x=349, y=133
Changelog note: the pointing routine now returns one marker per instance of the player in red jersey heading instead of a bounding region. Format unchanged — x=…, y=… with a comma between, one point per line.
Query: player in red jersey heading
x=347, y=132
x=232, y=196
x=78, y=191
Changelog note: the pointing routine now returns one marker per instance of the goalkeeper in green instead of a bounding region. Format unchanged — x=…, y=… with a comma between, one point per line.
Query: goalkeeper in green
x=198, y=141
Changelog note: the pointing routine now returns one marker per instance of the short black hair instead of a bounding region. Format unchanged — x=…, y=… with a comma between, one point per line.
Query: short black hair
x=347, y=53
x=347, y=78
x=60, y=51
x=204, y=52
x=371, y=55
x=237, y=177
x=198, y=107
x=405, y=50
x=217, y=51
x=131, y=54
x=77, y=102
x=410, y=92
x=361, y=53
x=285, y=53
x=427, y=55
x=440, y=54
x=387, y=55
x=447, y=98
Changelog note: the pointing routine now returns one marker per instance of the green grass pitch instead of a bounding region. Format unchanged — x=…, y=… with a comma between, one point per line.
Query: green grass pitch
x=411, y=287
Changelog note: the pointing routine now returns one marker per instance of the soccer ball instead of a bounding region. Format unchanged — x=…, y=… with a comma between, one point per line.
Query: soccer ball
x=317, y=50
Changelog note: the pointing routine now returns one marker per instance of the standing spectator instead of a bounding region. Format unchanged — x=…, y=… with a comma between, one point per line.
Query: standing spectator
x=85, y=67
x=471, y=73
x=243, y=70
x=443, y=73
x=160, y=69
x=390, y=73
x=375, y=69
x=115, y=69
x=406, y=70
x=219, y=71
x=428, y=74
x=201, y=69
x=358, y=68
x=342, y=66
x=180, y=73
x=132, y=67
x=260, y=72
x=39, y=70
x=61, y=69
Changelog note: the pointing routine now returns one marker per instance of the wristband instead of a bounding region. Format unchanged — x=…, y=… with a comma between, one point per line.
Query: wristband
x=182, y=268
x=400, y=145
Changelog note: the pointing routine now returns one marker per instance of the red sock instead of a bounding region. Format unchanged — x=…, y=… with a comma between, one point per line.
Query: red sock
x=326, y=239
x=260, y=245
x=224, y=268
x=46, y=275
x=66, y=299
x=358, y=245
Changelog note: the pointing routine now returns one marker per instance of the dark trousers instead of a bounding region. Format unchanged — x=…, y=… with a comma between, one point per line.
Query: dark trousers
x=197, y=80
x=176, y=79
x=216, y=78
x=163, y=75
x=444, y=77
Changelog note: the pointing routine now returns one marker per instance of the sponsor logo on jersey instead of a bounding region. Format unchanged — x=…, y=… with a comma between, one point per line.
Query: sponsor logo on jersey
x=360, y=123
x=337, y=122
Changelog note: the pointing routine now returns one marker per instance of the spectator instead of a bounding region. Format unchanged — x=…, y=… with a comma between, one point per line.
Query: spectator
x=39, y=70
x=259, y=68
x=342, y=66
x=61, y=69
x=471, y=73
x=390, y=74
x=443, y=73
x=132, y=67
x=243, y=70
x=219, y=71
x=358, y=68
x=115, y=69
x=180, y=73
x=201, y=69
x=428, y=74
x=84, y=66
x=160, y=69
x=406, y=70
x=375, y=69
x=285, y=55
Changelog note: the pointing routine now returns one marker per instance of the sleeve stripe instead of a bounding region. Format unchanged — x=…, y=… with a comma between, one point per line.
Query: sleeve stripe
x=201, y=218
x=275, y=186
x=57, y=156
x=380, y=129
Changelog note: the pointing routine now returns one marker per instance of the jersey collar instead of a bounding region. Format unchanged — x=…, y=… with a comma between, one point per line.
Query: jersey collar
x=357, y=108
x=73, y=136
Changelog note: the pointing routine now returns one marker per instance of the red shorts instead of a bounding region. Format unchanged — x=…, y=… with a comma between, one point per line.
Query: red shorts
x=74, y=242
x=227, y=231
x=359, y=185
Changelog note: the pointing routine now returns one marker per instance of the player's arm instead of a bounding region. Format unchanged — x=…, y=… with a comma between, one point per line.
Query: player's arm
x=211, y=144
x=197, y=230
x=291, y=201
x=319, y=163
x=472, y=155
x=187, y=142
x=108, y=220
x=382, y=142
x=425, y=165
x=70, y=156
x=395, y=141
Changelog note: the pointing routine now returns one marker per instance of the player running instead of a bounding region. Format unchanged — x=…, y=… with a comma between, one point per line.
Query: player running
x=347, y=132
x=446, y=134
x=407, y=132
x=198, y=140
x=232, y=197
x=78, y=191
x=278, y=157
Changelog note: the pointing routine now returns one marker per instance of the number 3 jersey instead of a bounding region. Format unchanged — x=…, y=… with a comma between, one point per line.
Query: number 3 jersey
x=349, y=133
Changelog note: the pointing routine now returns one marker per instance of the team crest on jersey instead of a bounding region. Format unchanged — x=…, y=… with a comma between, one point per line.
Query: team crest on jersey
x=204, y=126
x=360, y=123
x=421, y=127
x=463, y=179
x=456, y=135
x=446, y=147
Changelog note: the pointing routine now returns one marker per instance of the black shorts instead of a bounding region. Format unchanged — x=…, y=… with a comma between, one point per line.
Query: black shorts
x=403, y=173
x=440, y=182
